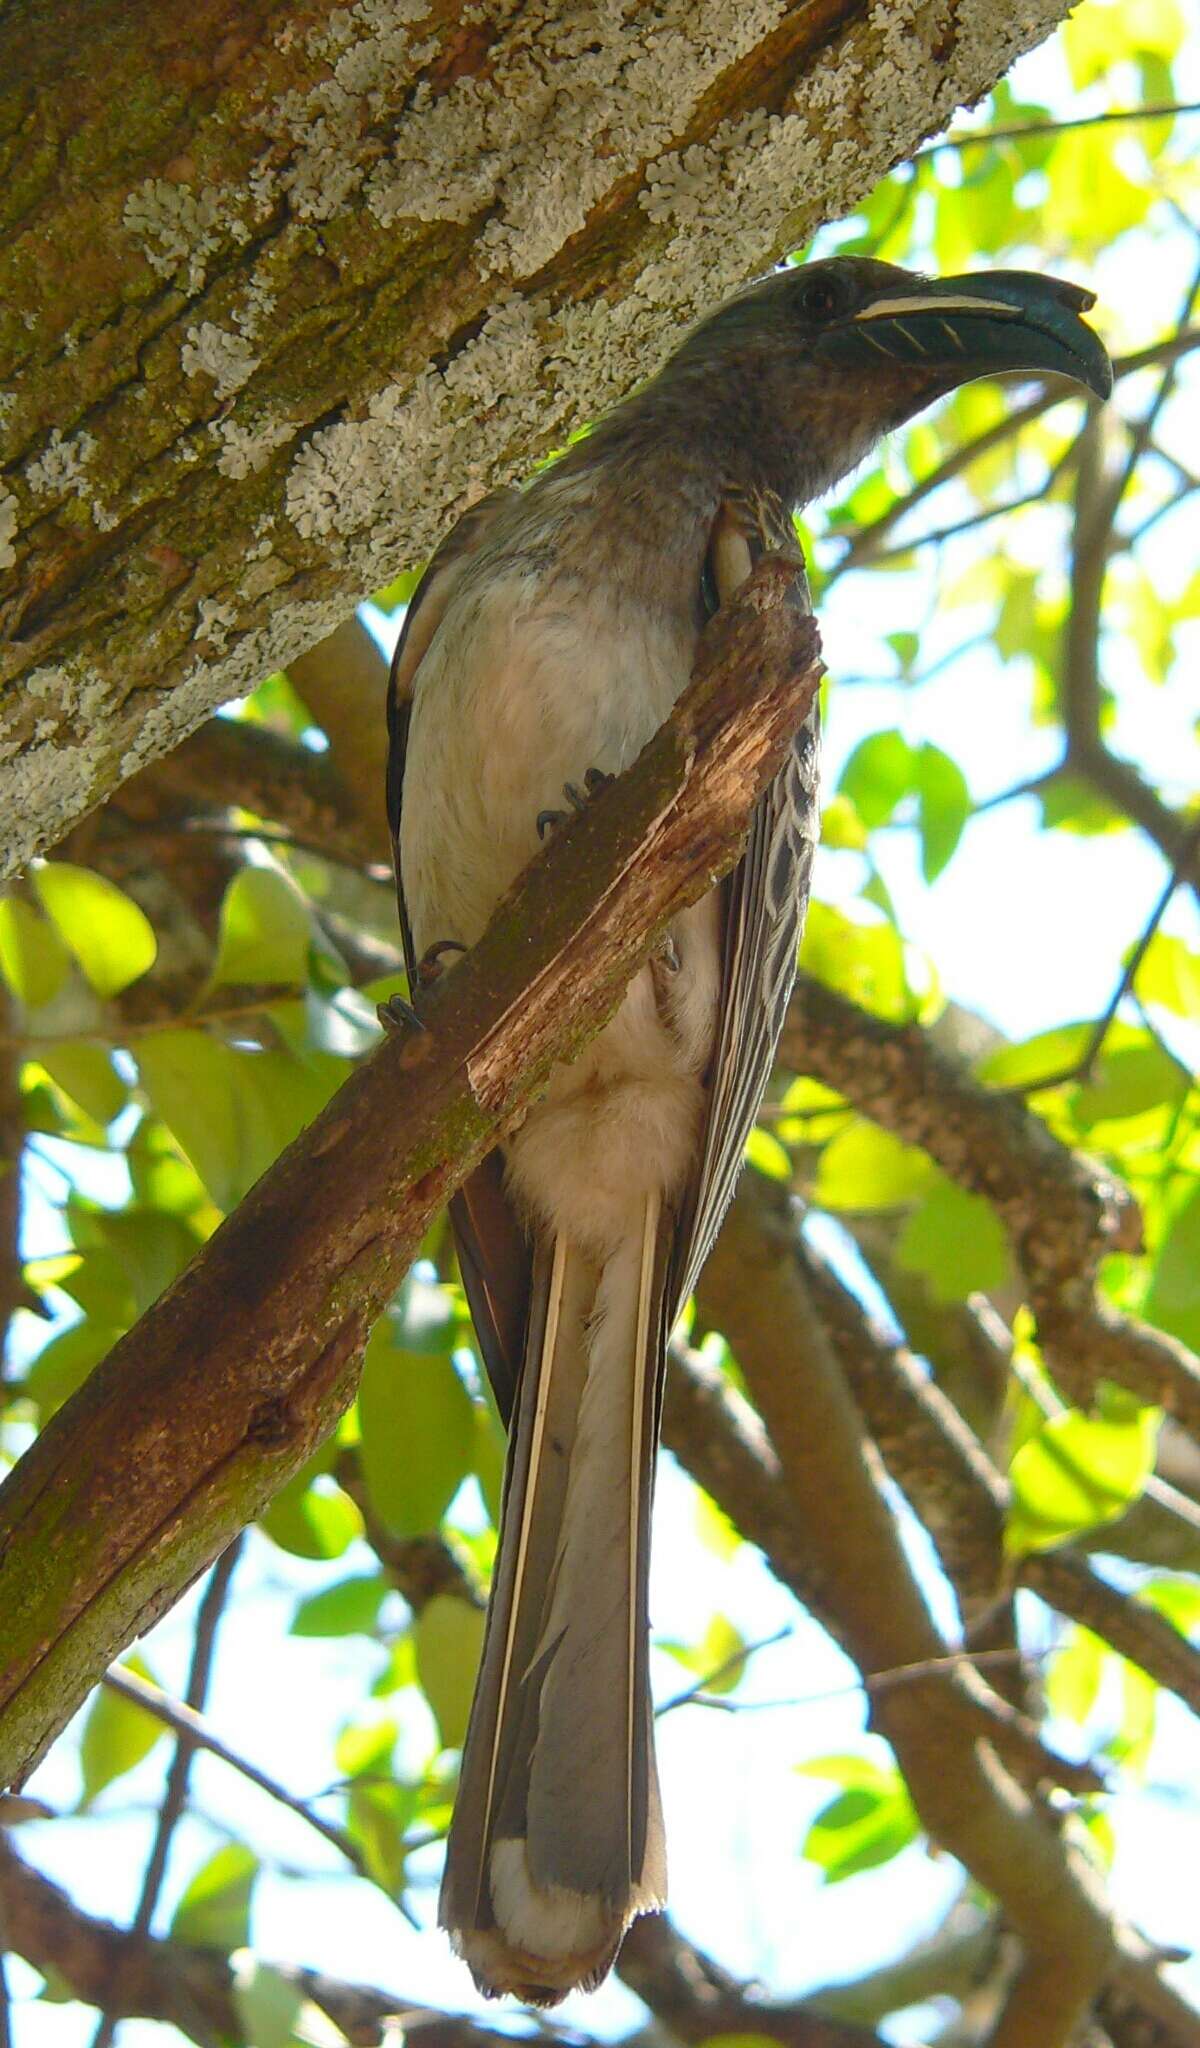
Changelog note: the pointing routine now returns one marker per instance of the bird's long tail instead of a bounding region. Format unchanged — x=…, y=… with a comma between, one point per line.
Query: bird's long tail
x=557, y=1839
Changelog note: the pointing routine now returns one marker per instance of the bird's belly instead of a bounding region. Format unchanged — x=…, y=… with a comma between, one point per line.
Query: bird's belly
x=512, y=701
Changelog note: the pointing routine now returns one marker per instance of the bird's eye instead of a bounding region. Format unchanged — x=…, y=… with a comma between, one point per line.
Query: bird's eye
x=822, y=299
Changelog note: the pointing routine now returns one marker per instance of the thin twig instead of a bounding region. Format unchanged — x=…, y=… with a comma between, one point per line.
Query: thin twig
x=740, y=1657
x=1082, y=1068
x=863, y=546
x=983, y=517
x=186, y=1721
x=1161, y=110
x=174, y=1799
x=269, y=835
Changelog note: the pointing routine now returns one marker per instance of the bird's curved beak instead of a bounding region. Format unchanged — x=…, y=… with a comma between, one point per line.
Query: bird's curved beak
x=978, y=326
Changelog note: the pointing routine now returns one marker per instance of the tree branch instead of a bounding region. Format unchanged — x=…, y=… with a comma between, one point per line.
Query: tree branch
x=753, y=1290
x=695, y=2000
x=241, y=1368
x=175, y=1791
x=194, y=1733
x=190, y=1988
x=1062, y=1214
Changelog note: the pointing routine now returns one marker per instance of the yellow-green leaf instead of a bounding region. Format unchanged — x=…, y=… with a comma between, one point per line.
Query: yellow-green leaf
x=265, y=931
x=448, y=1635
x=214, y=1911
x=116, y=1736
x=33, y=959
x=112, y=939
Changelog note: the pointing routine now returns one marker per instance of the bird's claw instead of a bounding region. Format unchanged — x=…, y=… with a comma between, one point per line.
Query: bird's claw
x=429, y=966
x=593, y=782
x=397, y=1016
x=666, y=955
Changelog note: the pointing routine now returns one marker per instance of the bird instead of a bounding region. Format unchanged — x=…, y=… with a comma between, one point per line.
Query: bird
x=547, y=641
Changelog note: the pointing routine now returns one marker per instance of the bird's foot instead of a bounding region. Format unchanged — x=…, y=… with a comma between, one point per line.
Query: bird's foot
x=429, y=966
x=397, y=1016
x=593, y=782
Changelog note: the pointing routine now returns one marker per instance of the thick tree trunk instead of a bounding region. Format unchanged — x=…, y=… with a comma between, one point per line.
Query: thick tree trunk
x=282, y=289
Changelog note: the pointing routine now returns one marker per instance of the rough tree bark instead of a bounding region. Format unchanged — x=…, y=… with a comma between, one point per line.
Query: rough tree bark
x=282, y=288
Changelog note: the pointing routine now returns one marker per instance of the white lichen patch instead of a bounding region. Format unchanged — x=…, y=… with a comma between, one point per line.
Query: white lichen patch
x=214, y=622
x=45, y=789
x=360, y=476
x=256, y=308
x=215, y=352
x=248, y=449
x=61, y=464
x=8, y=529
x=8, y=400
x=175, y=227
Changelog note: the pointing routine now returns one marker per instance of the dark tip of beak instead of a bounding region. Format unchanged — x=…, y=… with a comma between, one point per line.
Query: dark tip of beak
x=983, y=325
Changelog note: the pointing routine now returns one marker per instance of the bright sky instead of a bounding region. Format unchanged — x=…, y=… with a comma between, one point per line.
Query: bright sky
x=1030, y=929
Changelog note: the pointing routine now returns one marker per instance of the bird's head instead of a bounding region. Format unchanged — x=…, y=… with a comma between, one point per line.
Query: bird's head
x=834, y=355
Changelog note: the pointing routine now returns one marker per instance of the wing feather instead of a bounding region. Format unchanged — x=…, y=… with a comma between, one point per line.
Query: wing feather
x=493, y=1253
x=765, y=900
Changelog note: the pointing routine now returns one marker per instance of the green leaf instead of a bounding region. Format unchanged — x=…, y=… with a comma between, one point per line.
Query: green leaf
x=878, y=776
x=1177, y=1600
x=86, y=1074
x=866, y=1168
x=719, y=1658
x=1131, y=1079
x=378, y=1813
x=1131, y=1744
x=64, y=1363
x=189, y=1078
x=265, y=931
x=1073, y=1679
x=110, y=937
x=365, y=1747
x=488, y=1456
x=347, y=1609
x=1078, y=1471
x=1173, y=1301
x=268, y=2004
x=714, y=1528
x=312, y=1517
x=865, y=961
x=1034, y=1059
x=116, y=1735
x=448, y=1637
x=863, y=1827
x=1169, y=976
x=418, y=1434
x=1069, y=804
x=943, y=807
x=152, y=1248
x=954, y=1238
x=214, y=1911
x=841, y=827
x=767, y=1156
x=33, y=959
x=426, y=1316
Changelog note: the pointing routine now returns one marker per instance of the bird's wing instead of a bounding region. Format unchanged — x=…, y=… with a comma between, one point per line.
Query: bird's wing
x=426, y=610
x=765, y=900
x=493, y=1255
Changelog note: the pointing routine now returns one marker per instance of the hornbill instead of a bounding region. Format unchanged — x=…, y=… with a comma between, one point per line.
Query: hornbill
x=548, y=640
